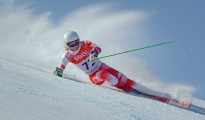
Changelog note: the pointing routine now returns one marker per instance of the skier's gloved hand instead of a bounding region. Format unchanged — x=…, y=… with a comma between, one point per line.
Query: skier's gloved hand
x=93, y=56
x=58, y=72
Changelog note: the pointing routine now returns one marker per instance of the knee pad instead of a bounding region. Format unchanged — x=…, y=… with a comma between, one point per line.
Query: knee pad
x=99, y=77
x=102, y=75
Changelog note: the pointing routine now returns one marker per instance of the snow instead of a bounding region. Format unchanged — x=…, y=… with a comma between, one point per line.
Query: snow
x=31, y=93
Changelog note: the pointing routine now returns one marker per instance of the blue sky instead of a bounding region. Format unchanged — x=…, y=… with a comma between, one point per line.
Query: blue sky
x=179, y=21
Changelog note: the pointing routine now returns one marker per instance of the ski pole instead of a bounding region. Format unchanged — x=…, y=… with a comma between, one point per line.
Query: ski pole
x=159, y=44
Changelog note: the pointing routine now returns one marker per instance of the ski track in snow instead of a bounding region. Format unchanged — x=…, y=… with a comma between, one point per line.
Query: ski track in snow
x=28, y=93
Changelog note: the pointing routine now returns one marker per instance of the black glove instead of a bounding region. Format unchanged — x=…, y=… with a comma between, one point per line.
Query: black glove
x=58, y=72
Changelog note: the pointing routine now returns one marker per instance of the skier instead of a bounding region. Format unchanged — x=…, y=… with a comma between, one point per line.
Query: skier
x=84, y=55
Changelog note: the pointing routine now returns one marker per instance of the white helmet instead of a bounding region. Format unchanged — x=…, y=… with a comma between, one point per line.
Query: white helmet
x=70, y=36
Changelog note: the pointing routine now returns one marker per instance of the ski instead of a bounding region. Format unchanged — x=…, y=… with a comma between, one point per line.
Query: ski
x=174, y=102
x=179, y=103
x=154, y=97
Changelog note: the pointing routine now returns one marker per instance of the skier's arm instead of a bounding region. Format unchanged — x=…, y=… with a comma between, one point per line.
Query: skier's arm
x=96, y=50
x=64, y=61
x=59, y=70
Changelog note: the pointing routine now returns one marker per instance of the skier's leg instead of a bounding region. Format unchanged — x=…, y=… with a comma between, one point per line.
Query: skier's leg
x=112, y=80
x=112, y=76
x=101, y=75
x=127, y=84
x=117, y=79
x=123, y=82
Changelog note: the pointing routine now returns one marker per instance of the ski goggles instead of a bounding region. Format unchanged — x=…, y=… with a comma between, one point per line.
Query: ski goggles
x=73, y=43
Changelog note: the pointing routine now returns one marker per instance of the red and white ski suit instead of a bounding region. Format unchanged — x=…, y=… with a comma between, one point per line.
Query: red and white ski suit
x=98, y=72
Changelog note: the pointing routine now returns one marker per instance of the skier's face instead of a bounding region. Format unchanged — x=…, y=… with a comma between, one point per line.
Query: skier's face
x=73, y=45
x=74, y=48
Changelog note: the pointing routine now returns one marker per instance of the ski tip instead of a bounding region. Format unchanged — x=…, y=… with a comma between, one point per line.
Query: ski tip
x=179, y=103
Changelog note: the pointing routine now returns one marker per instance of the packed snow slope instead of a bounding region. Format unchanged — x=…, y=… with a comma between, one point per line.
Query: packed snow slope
x=30, y=93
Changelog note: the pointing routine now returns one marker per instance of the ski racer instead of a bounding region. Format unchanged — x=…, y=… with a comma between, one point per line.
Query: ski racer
x=84, y=54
